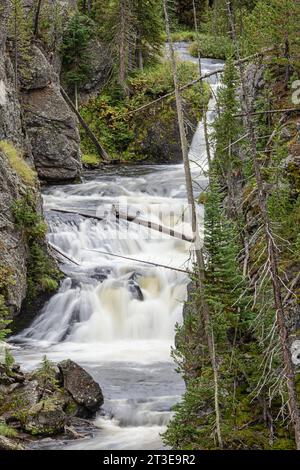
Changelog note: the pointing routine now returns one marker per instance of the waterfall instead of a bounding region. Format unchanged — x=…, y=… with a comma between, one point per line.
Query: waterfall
x=117, y=317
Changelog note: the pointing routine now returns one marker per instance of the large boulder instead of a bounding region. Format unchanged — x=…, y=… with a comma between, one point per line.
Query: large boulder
x=46, y=418
x=82, y=387
x=52, y=130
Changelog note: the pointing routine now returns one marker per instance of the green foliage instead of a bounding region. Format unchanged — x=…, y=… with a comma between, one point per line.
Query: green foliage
x=20, y=32
x=7, y=431
x=51, y=27
x=111, y=115
x=274, y=24
x=183, y=36
x=9, y=359
x=226, y=128
x=90, y=160
x=27, y=219
x=75, y=49
x=46, y=375
x=215, y=47
x=248, y=354
x=42, y=273
x=6, y=283
x=134, y=30
x=17, y=162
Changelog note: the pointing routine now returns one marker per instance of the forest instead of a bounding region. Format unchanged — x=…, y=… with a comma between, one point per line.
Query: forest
x=150, y=225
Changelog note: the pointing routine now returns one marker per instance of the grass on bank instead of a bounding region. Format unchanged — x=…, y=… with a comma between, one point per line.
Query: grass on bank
x=211, y=47
x=17, y=162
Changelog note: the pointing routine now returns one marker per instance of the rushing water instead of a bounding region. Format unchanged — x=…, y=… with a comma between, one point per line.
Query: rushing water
x=114, y=316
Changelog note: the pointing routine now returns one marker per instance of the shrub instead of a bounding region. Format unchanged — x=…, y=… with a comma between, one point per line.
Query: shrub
x=213, y=47
x=42, y=273
x=7, y=431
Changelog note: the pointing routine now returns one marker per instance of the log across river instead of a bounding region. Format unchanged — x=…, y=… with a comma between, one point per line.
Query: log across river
x=114, y=316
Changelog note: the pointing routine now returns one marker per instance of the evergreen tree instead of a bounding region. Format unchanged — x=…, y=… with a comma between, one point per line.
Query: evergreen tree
x=19, y=31
x=275, y=24
x=133, y=30
x=75, y=51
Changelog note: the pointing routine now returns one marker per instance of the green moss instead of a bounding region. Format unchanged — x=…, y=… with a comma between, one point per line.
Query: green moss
x=90, y=160
x=71, y=408
x=17, y=163
x=6, y=283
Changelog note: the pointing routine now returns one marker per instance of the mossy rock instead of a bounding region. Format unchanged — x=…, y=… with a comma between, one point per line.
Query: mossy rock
x=46, y=418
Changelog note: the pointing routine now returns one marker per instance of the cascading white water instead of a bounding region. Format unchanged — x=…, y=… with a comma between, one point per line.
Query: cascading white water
x=117, y=317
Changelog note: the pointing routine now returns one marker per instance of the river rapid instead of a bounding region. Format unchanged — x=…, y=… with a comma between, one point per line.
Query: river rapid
x=113, y=316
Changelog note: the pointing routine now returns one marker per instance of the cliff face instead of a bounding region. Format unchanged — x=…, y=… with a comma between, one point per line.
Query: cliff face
x=13, y=250
x=36, y=117
x=50, y=125
x=39, y=132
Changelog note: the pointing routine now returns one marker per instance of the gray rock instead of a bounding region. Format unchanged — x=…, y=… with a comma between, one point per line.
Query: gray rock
x=46, y=418
x=40, y=73
x=53, y=133
x=101, y=63
x=13, y=248
x=82, y=387
x=9, y=444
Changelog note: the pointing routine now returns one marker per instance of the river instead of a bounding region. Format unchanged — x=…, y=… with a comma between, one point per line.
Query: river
x=113, y=316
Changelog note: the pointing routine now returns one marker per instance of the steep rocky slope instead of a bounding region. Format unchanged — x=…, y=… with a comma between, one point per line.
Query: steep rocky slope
x=36, y=117
x=39, y=140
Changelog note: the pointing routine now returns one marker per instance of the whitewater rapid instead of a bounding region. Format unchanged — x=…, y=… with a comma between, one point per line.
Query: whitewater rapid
x=113, y=316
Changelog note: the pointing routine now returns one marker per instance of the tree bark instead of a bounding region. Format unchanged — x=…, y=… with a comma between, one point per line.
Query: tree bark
x=37, y=19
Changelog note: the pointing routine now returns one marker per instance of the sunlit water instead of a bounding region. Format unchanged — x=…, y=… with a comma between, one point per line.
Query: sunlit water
x=113, y=316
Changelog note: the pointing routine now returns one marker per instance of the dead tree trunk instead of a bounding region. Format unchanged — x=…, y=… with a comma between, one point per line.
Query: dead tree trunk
x=123, y=46
x=37, y=19
x=191, y=201
x=204, y=117
x=102, y=152
x=271, y=247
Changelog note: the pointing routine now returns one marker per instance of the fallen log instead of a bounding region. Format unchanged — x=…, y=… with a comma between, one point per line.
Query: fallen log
x=132, y=219
x=199, y=79
x=157, y=265
x=57, y=250
x=102, y=152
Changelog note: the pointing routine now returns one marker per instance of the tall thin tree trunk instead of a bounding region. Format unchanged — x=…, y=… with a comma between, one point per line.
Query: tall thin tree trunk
x=76, y=95
x=192, y=206
x=204, y=117
x=37, y=19
x=272, y=249
x=123, y=53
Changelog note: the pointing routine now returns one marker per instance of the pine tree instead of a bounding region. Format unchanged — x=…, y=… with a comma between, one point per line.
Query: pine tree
x=133, y=30
x=19, y=30
x=148, y=27
x=75, y=51
x=275, y=24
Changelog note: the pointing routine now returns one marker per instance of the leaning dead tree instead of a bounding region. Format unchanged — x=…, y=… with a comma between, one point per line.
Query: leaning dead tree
x=198, y=251
x=270, y=243
x=101, y=151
